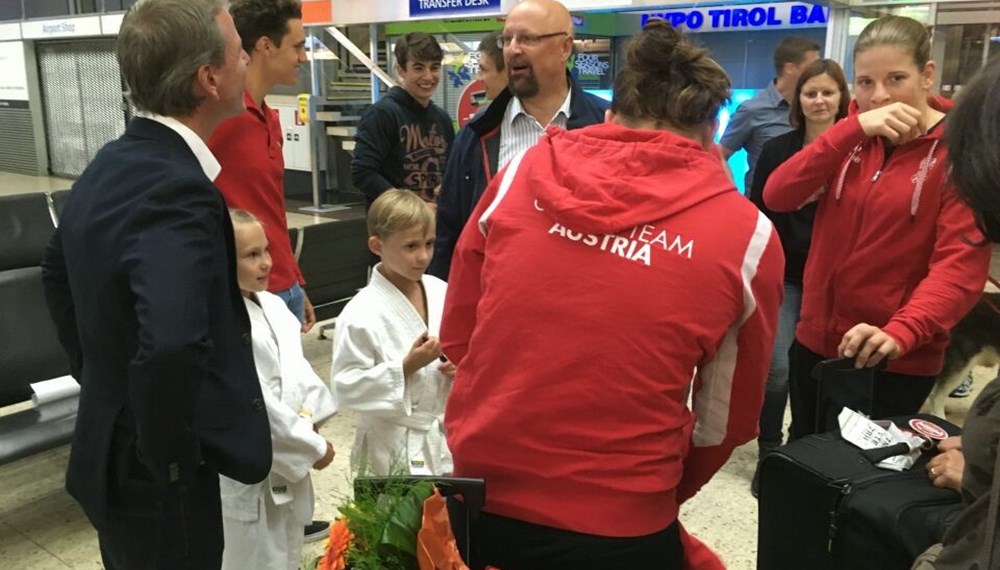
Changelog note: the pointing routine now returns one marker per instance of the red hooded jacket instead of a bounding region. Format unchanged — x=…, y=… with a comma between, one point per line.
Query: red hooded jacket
x=604, y=272
x=892, y=246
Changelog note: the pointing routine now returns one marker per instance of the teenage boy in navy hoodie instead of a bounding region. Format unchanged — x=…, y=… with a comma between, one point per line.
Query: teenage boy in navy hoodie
x=402, y=141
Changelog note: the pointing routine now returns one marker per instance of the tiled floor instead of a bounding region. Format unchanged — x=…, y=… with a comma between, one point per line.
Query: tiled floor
x=41, y=528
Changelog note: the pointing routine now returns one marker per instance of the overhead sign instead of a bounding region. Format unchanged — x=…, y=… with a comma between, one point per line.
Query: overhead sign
x=62, y=28
x=442, y=8
x=317, y=12
x=732, y=18
x=13, y=75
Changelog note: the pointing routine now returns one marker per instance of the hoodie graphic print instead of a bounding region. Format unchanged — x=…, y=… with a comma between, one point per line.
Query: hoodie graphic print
x=401, y=144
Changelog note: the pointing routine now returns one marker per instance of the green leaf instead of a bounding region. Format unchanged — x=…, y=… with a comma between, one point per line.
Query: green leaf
x=399, y=539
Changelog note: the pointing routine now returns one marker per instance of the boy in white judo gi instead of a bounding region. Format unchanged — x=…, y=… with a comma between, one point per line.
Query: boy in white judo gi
x=263, y=522
x=387, y=362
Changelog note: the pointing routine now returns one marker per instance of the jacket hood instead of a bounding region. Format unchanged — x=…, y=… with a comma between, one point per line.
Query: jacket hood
x=608, y=178
x=403, y=97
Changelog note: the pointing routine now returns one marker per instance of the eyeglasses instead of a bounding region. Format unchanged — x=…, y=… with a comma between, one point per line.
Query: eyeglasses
x=527, y=40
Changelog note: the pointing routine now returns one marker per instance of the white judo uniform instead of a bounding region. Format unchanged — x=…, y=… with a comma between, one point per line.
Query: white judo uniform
x=400, y=428
x=263, y=522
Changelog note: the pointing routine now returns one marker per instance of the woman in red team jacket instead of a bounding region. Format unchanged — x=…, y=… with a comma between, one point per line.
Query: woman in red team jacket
x=605, y=274
x=894, y=261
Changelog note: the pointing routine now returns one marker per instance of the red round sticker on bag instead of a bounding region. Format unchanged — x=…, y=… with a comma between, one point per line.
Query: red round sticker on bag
x=928, y=429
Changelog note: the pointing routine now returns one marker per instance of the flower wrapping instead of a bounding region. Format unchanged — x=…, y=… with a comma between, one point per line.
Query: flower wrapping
x=436, y=547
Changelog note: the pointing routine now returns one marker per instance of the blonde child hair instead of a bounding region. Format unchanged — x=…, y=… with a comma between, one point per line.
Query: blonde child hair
x=241, y=216
x=398, y=210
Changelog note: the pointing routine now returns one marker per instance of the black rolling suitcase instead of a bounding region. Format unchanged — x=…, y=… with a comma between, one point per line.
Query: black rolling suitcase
x=824, y=505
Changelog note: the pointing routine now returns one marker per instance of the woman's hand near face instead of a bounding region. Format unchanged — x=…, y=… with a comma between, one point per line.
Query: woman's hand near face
x=897, y=122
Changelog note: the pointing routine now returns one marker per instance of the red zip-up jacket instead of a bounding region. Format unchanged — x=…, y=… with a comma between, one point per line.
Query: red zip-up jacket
x=601, y=278
x=892, y=245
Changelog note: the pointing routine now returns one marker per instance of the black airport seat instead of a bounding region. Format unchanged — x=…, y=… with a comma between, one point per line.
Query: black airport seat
x=31, y=350
x=334, y=261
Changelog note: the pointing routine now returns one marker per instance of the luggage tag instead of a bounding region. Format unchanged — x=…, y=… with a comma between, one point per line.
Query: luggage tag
x=928, y=431
x=888, y=447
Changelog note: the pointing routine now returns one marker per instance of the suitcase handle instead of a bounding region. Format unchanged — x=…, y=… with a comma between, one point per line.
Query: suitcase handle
x=840, y=384
x=882, y=453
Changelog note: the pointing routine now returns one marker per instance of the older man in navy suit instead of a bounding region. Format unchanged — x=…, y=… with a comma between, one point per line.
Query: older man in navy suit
x=140, y=279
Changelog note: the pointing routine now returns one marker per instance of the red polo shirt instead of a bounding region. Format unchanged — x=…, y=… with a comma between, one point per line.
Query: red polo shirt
x=253, y=172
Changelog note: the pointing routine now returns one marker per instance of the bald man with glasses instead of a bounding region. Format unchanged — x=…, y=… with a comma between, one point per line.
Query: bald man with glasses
x=537, y=43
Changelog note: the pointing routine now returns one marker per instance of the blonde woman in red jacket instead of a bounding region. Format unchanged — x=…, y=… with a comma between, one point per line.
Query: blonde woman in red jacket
x=894, y=262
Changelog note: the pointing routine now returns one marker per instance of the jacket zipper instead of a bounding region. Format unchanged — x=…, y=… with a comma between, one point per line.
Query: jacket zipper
x=846, y=491
x=831, y=287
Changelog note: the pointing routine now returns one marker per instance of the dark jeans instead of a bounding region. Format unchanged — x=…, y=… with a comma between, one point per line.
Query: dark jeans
x=894, y=394
x=149, y=531
x=511, y=544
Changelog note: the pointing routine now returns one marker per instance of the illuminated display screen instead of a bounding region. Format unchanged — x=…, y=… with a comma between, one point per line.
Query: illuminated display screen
x=737, y=162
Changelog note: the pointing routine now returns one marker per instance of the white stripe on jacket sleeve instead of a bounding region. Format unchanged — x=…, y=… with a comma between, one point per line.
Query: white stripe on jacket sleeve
x=713, y=401
x=508, y=179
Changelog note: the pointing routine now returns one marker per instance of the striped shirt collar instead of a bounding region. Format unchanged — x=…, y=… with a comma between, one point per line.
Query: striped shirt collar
x=515, y=110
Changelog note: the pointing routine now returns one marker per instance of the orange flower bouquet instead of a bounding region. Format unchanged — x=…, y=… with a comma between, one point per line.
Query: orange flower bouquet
x=402, y=527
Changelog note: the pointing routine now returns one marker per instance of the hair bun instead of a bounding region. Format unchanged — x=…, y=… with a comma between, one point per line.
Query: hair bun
x=654, y=47
x=668, y=80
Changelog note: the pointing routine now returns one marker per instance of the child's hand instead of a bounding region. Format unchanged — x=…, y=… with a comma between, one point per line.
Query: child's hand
x=326, y=459
x=448, y=369
x=424, y=350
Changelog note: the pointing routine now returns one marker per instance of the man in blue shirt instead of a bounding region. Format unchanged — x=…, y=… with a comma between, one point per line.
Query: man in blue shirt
x=765, y=116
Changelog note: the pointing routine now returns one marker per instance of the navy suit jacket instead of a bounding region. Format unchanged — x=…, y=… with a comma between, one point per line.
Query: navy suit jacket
x=140, y=279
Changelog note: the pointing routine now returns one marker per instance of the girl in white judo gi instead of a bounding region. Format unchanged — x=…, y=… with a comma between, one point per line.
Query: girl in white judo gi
x=263, y=522
x=387, y=361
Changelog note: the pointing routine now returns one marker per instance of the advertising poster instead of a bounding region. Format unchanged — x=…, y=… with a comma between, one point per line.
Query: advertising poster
x=13, y=76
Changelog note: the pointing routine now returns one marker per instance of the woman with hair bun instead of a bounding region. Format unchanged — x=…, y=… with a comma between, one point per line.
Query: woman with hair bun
x=609, y=272
x=894, y=261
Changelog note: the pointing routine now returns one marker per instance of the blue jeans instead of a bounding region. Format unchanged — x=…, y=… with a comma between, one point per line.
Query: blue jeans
x=772, y=414
x=295, y=298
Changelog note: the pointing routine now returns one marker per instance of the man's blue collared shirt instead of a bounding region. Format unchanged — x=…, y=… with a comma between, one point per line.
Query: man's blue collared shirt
x=756, y=121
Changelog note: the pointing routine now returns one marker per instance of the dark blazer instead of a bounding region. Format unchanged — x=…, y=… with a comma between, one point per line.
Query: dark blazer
x=140, y=279
x=472, y=163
